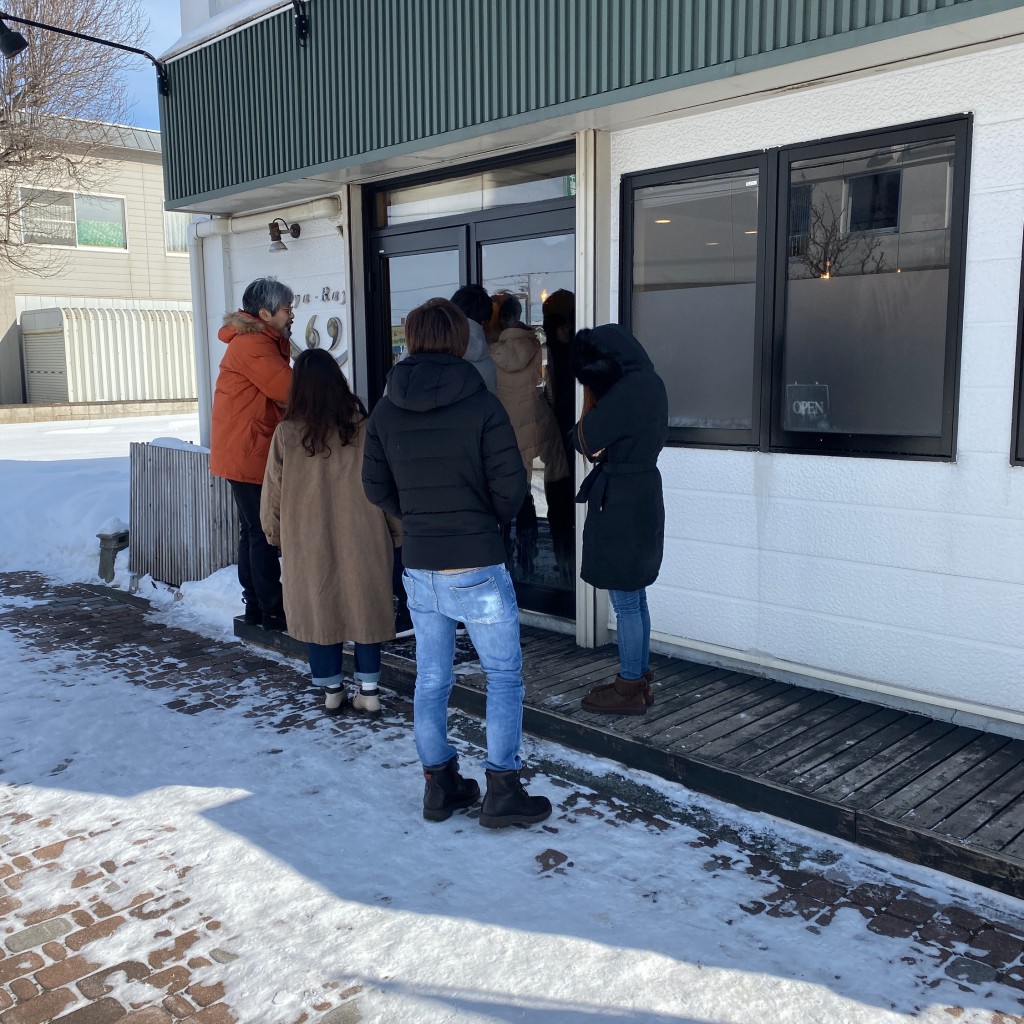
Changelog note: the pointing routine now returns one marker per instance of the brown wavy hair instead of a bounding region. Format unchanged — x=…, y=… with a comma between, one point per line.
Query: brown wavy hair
x=323, y=402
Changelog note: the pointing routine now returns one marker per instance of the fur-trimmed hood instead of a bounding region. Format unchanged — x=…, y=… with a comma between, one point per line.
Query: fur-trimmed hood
x=241, y=322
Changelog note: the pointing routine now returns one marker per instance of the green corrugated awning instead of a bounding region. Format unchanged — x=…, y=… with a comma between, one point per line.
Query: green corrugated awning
x=389, y=76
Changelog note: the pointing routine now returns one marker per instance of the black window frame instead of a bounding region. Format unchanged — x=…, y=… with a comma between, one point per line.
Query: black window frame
x=1017, y=433
x=767, y=433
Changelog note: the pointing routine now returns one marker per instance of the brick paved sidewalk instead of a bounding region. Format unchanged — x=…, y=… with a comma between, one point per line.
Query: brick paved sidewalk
x=72, y=901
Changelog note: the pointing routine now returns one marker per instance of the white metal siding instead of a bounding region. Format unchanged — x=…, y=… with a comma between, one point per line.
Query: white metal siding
x=110, y=355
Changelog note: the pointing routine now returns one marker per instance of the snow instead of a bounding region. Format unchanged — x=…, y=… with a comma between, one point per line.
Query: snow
x=309, y=845
x=61, y=482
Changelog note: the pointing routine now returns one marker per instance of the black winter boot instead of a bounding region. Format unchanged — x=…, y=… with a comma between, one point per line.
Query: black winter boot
x=253, y=611
x=274, y=620
x=508, y=803
x=446, y=791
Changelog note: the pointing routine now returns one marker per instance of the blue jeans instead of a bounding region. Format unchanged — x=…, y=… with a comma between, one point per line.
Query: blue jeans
x=325, y=662
x=484, y=600
x=633, y=631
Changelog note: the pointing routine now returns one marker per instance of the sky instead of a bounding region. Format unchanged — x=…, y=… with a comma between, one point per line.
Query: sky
x=307, y=844
x=164, y=30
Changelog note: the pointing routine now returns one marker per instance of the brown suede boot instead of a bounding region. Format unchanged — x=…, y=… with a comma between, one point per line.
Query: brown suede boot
x=623, y=697
x=648, y=678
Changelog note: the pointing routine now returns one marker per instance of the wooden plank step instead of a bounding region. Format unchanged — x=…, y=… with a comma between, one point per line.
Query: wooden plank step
x=864, y=753
x=988, y=804
x=818, y=736
x=913, y=768
x=724, y=722
x=843, y=788
x=966, y=787
x=1001, y=830
x=935, y=779
x=815, y=763
x=714, y=691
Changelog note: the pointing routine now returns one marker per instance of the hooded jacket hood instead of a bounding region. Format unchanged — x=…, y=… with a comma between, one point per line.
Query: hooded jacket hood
x=605, y=354
x=478, y=353
x=515, y=349
x=428, y=381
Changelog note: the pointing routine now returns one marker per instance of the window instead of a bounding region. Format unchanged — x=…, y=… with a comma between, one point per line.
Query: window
x=176, y=230
x=807, y=298
x=47, y=218
x=874, y=201
x=546, y=178
x=61, y=218
x=1017, y=442
x=695, y=264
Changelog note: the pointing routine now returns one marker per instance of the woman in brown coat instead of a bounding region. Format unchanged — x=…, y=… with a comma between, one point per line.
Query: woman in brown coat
x=517, y=354
x=337, y=548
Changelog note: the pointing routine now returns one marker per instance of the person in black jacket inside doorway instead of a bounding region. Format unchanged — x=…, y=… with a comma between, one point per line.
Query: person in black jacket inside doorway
x=441, y=453
x=622, y=430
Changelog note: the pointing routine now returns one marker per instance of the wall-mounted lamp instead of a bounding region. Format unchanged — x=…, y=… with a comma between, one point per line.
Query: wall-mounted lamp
x=12, y=43
x=301, y=21
x=276, y=245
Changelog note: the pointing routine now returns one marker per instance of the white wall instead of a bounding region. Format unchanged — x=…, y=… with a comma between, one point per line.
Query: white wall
x=910, y=574
x=314, y=262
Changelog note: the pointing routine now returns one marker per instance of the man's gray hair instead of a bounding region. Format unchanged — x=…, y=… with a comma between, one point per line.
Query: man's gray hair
x=266, y=293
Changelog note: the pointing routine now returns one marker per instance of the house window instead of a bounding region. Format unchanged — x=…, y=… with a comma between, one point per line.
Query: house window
x=176, y=230
x=1017, y=442
x=874, y=201
x=807, y=298
x=47, y=218
x=61, y=218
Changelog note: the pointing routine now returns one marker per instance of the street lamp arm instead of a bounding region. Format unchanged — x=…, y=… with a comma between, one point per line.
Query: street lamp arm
x=163, y=83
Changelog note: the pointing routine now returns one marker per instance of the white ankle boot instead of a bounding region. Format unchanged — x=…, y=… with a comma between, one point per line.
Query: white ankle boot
x=369, y=703
x=334, y=699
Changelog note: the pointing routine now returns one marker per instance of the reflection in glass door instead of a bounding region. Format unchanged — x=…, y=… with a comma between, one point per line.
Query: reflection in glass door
x=521, y=275
x=411, y=280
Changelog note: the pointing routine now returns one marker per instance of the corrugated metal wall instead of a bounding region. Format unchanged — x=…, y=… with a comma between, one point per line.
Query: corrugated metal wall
x=183, y=520
x=108, y=355
x=377, y=74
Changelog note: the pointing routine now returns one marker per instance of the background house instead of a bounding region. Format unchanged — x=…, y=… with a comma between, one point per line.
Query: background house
x=114, y=249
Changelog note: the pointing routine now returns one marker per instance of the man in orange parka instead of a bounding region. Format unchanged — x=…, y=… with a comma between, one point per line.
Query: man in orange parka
x=248, y=402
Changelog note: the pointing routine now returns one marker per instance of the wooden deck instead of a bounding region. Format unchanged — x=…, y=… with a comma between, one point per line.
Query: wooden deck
x=942, y=795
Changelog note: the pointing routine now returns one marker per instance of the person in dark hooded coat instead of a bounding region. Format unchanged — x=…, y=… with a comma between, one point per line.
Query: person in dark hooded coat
x=623, y=429
x=441, y=454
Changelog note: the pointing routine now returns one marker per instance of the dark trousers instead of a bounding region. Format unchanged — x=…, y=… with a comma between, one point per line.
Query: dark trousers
x=259, y=568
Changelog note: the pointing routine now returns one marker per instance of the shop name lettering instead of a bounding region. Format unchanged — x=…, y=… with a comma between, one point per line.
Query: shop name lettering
x=326, y=294
x=807, y=408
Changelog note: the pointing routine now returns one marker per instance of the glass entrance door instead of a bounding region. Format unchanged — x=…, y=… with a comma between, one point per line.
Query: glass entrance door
x=432, y=239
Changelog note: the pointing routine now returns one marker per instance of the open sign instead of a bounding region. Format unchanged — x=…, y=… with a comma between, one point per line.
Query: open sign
x=807, y=407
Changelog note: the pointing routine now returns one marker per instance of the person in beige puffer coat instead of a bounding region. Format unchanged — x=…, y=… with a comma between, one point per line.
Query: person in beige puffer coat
x=517, y=354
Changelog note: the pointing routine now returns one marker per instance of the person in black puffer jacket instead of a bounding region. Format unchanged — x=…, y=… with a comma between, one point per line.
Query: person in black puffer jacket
x=622, y=430
x=441, y=453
